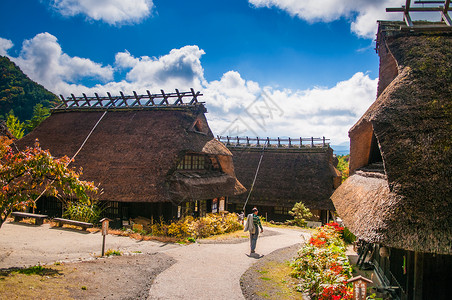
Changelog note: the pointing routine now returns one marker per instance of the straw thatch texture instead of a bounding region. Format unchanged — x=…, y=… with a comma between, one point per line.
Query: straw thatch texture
x=286, y=177
x=412, y=122
x=133, y=154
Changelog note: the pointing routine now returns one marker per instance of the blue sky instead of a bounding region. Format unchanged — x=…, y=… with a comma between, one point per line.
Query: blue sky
x=317, y=68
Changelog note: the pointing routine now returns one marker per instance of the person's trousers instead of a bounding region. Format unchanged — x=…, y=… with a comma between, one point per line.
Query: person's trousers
x=253, y=239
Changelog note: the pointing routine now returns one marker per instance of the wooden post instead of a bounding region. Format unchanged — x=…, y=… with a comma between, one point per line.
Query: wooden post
x=359, y=287
x=105, y=222
x=312, y=141
x=323, y=142
x=290, y=143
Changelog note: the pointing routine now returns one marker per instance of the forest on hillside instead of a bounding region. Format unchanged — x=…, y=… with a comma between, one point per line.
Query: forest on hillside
x=23, y=102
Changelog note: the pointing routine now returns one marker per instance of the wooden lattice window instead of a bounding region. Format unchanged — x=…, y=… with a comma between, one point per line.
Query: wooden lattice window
x=279, y=210
x=194, y=162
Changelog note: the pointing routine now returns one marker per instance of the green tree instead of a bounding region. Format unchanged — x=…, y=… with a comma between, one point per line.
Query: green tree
x=300, y=214
x=342, y=166
x=40, y=113
x=20, y=93
x=25, y=175
x=15, y=126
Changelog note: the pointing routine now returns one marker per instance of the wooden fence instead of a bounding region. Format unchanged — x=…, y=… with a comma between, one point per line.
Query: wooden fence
x=258, y=142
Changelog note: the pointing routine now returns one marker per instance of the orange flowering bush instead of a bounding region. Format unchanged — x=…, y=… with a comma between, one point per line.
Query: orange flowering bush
x=322, y=266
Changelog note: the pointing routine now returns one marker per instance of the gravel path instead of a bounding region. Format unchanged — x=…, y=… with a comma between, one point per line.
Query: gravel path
x=198, y=271
x=213, y=271
x=24, y=245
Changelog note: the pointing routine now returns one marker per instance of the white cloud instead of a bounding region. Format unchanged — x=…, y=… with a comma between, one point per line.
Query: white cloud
x=363, y=14
x=114, y=12
x=5, y=45
x=181, y=67
x=43, y=60
x=261, y=110
x=241, y=109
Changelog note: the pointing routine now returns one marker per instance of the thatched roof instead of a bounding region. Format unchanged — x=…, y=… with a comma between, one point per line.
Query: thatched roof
x=410, y=126
x=286, y=176
x=134, y=151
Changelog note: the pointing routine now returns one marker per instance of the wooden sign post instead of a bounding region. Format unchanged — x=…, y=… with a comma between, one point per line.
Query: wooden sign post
x=105, y=222
x=359, y=287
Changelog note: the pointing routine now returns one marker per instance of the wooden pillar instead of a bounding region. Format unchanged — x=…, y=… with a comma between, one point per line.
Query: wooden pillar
x=418, y=275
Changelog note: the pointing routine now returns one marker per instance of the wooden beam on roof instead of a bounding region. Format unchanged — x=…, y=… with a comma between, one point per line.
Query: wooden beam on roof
x=179, y=98
x=112, y=102
x=124, y=100
x=445, y=15
x=137, y=99
x=64, y=100
x=99, y=101
x=75, y=100
x=165, y=98
x=195, y=96
x=151, y=98
x=86, y=100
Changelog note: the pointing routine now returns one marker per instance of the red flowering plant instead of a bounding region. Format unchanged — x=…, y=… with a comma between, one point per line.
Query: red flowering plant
x=336, y=227
x=322, y=266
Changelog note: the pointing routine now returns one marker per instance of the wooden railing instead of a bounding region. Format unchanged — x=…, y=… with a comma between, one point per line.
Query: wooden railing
x=257, y=142
x=132, y=101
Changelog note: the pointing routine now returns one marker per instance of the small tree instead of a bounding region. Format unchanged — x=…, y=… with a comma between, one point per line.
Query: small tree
x=24, y=175
x=40, y=113
x=300, y=214
x=14, y=125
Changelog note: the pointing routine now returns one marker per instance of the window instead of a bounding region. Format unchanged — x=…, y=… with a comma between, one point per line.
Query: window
x=279, y=210
x=194, y=162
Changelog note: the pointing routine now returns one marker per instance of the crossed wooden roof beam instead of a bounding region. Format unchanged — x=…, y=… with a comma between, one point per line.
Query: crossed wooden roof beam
x=130, y=101
x=407, y=8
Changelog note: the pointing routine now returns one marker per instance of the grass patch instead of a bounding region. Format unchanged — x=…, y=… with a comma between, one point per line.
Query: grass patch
x=227, y=236
x=33, y=283
x=111, y=252
x=277, y=282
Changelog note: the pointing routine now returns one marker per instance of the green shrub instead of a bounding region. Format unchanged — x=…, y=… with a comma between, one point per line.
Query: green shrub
x=300, y=213
x=84, y=212
x=349, y=237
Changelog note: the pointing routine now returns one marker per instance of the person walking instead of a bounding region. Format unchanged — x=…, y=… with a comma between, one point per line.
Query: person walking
x=253, y=223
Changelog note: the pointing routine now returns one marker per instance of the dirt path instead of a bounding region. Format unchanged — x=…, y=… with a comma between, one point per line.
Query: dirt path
x=197, y=271
x=24, y=245
x=213, y=271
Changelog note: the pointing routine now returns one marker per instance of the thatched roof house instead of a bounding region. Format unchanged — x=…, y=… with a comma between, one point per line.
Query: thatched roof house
x=144, y=149
x=400, y=193
x=287, y=174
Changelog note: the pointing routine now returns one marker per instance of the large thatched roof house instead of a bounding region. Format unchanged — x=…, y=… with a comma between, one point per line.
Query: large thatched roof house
x=291, y=170
x=148, y=154
x=400, y=194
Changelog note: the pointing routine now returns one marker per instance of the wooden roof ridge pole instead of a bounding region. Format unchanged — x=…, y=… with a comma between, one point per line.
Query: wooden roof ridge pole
x=112, y=101
x=165, y=98
x=151, y=98
x=137, y=99
x=195, y=96
x=124, y=100
x=444, y=10
x=64, y=101
x=445, y=13
x=99, y=101
x=75, y=100
x=406, y=14
x=86, y=100
x=179, y=98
